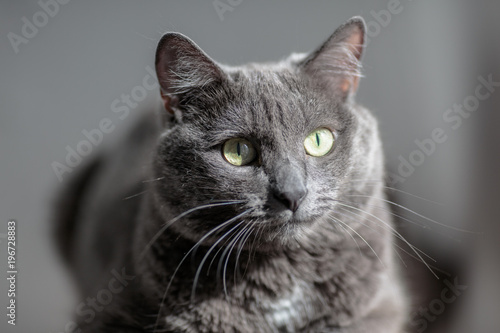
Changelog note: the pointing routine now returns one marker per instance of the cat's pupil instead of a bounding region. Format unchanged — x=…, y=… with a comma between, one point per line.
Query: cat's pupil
x=317, y=139
x=238, y=149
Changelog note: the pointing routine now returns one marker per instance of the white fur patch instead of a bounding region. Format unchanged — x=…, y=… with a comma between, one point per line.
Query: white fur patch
x=291, y=310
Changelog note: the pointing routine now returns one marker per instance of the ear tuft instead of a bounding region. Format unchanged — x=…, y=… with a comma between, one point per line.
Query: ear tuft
x=336, y=63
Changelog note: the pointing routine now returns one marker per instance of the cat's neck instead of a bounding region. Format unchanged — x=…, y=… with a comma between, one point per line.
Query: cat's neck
x=311, y=272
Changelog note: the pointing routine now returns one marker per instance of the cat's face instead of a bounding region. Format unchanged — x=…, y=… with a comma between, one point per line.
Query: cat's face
x=270, y=148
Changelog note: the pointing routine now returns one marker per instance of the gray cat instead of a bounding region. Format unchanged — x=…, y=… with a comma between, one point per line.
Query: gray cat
x=254, y=203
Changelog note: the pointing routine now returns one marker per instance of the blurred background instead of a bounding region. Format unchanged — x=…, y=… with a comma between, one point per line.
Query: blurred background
x=431, y=78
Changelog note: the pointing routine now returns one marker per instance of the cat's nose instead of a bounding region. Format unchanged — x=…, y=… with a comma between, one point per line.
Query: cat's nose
x=290, y=187
x=292, y=199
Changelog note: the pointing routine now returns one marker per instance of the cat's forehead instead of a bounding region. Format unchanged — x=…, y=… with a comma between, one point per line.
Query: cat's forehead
x=272, y=101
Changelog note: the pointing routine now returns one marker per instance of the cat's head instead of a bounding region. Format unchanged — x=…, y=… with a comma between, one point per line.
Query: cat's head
x=268, y=147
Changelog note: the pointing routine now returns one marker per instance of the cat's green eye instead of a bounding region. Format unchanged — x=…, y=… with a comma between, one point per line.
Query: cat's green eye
x=319, y=142
x=238, y=151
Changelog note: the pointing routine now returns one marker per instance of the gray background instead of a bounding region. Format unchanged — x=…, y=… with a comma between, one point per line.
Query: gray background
x=419, y=64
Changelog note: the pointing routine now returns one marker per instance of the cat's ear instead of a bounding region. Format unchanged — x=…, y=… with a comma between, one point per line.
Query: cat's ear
x=336, y=63
x=182, y=66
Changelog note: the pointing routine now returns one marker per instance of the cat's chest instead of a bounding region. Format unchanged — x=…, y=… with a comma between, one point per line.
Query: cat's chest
x=292, y=309
x=286, y=312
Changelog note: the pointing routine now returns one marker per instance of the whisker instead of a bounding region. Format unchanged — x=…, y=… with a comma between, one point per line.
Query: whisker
x=200, y=266
x=395, y=232
x=230, y=247
x=367, y=226
x=216, y=254
x=417, y=259
x=221, y=247
x=417, y=214
x=399, y=256
x=178, y=217
x=407, y=219
x=153, y=180
x=362, y=238
x=413, y=195
x=240, y=248
x=135, y=195
x=397, y=236
x=254, y=246
x=375, y=181
x=352, y=237
x=362, y=180
x=222, y=225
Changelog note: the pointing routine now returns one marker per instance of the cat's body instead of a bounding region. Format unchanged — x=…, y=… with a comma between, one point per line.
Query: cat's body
x=290, y=242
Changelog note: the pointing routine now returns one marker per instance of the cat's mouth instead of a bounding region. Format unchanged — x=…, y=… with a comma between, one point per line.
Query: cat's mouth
x=282, y=230
x=281, y=218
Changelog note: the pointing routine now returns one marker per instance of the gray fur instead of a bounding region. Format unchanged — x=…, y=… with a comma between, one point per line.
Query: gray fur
x=325, y=268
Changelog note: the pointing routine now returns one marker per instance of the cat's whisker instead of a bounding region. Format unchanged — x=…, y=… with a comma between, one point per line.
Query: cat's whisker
x=396, y=245
x=407, y=219
x=416, y=248
x=367, y=226
x=222, y=225
x=393, y=189
x=178, y=217
x=280, y=231
x=375, y=182
x=216, y=254
x=254, y=246
x=362, y=180
x=401, y=258
x=417, y=259
x=153, y=180
x=240, y=248
x=349, y=233
x=383, y=226
x=200, y=266
x=135, y=195
x=417, y=214
x=362, y=238
x=389, y=211
x=397, y=236
x=228, y=255
x=394, y=231
x=221, y=248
